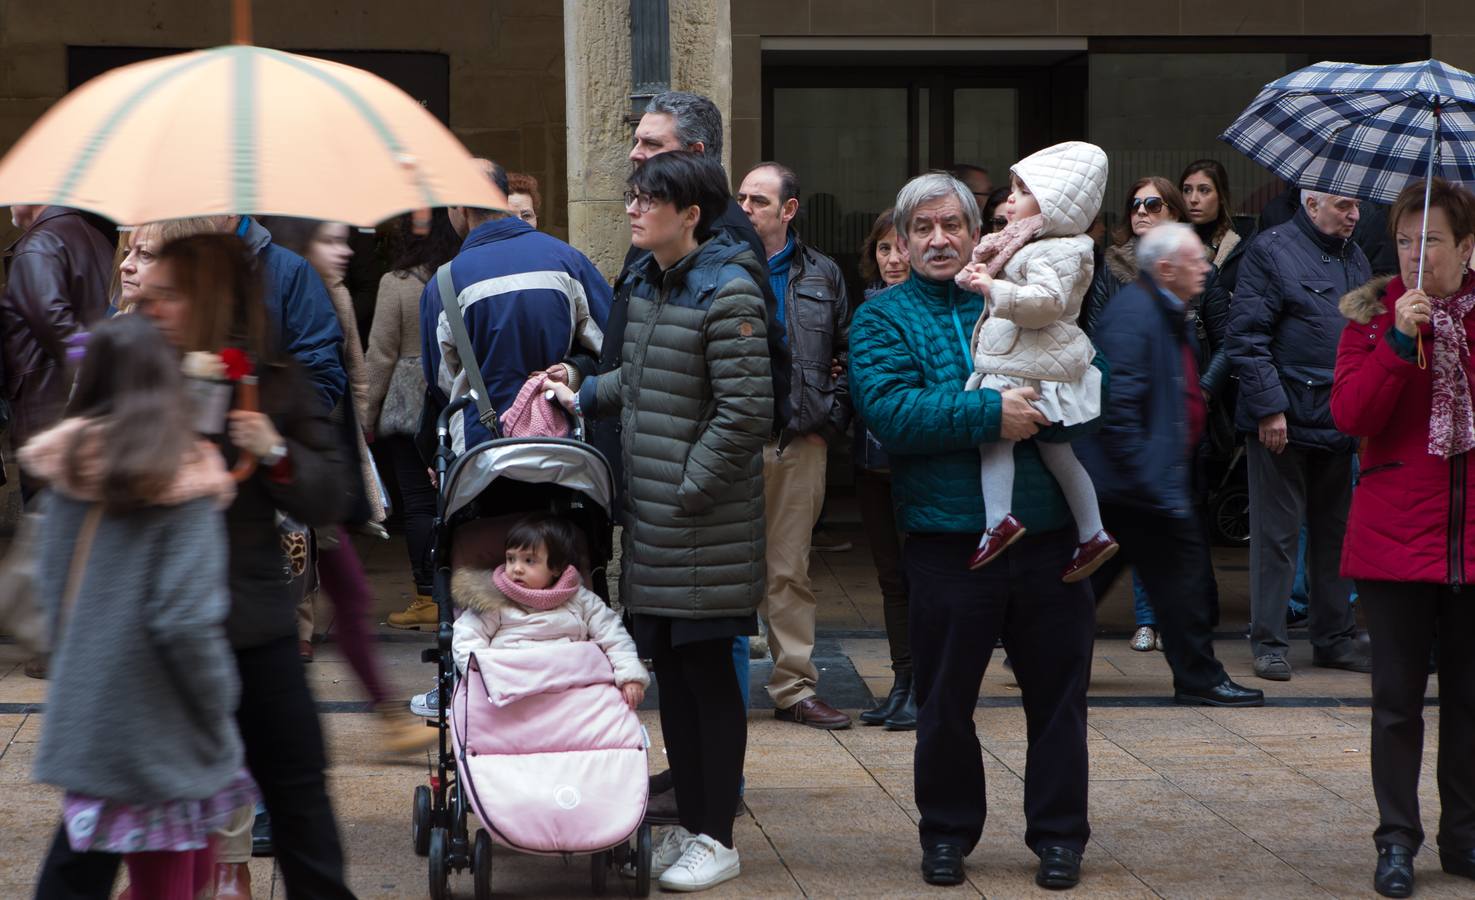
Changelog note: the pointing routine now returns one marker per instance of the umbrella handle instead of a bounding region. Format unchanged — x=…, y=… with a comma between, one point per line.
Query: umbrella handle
x=1423, y=361
x=247, y=398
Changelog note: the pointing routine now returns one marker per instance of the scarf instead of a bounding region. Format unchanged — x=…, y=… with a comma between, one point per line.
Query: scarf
x=532, y=416
x=995, y=250
x=542, y=600
x=1452, y=422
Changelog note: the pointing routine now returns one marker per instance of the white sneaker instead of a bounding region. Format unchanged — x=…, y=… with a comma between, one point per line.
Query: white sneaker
x=426, y=705
x=668, y=849
x=706, y=863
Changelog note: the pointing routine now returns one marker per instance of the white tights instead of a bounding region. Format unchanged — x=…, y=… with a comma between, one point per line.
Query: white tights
x=998, y=484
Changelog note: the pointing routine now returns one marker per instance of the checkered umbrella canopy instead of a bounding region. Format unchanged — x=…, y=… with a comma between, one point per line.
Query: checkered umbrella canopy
x=1362, y=131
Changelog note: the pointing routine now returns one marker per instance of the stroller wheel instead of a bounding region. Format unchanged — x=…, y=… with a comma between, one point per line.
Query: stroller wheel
x=599, y=872
x=420, y=820
x=642, y=860
x=481, y=866
x=1229, y=513
x=440, y=870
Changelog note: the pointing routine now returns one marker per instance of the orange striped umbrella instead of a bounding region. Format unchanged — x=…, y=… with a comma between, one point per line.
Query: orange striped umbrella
x=242, y=129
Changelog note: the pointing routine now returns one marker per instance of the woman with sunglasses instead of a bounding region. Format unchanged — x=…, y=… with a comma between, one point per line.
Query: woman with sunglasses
x=1152, y=201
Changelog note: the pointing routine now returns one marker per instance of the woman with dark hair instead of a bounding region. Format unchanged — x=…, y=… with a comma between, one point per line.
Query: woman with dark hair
x=694, y=393
x=203, y=293
x=1151, y=202
x=993, y=214
x=883, y=263
x=396, y=390
x=1404, y=383
x=1205, y=186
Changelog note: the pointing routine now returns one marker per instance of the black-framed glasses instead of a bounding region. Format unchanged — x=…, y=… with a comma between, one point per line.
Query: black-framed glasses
x=641, y=201
x=1153, y=205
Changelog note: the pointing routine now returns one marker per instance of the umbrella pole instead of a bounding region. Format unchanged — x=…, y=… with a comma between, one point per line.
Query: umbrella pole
x=1424, y=225
x=240, y=22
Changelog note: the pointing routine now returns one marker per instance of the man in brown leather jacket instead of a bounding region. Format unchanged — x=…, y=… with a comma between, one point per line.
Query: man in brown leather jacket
x=56, y=284
x=815, y=311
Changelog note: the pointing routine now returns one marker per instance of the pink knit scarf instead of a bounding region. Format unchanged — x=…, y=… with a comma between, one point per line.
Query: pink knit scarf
x=995, y=250
x=532, y=416
x=543, y=599
x=1452, y=422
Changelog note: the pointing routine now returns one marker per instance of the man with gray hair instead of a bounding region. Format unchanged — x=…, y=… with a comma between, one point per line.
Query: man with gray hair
x=909, y=360
x=1142, y=460
x=1284, y=327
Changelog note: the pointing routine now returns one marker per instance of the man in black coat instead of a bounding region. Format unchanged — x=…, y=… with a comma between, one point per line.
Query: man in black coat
x=1284, y=329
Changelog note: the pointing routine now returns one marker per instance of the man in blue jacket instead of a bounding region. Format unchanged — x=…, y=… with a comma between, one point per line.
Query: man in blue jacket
x=1284, y=329
x=1142, y=459
x=530, y=303
x=300, y=311
x=909, y=360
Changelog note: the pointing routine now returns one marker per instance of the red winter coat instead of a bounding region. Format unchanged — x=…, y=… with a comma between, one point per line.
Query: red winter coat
x=1413, y=514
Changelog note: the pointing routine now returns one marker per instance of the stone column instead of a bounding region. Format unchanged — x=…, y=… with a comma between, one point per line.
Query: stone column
x=596, y=42
x=596, y=55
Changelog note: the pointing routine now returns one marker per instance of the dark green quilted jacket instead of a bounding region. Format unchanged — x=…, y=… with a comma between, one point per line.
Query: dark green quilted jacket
x=909, y=360
x=695, y=398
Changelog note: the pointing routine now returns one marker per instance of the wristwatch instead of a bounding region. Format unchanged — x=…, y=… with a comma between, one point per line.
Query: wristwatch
x=276, y=454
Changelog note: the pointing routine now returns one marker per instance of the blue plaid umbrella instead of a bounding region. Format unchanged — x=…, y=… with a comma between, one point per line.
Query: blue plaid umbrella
x=1363, y=131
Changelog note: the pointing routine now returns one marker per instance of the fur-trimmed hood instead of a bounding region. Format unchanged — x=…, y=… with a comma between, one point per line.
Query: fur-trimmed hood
x=1366, y=303
x=1121, y=261
x=473, y=590
x=201, y=472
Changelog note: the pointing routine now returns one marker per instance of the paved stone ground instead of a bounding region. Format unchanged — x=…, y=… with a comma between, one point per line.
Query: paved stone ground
x=1185, y=802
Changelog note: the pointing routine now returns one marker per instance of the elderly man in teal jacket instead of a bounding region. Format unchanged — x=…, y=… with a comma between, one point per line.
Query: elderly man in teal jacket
x=909, y=361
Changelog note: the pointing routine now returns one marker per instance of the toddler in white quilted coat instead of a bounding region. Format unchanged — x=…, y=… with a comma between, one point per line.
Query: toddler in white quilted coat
x=1034, y=274
x=538, y=597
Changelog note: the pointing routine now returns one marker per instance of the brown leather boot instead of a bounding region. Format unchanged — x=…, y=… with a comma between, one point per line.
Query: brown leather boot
x=232, y=881
x=403, y=731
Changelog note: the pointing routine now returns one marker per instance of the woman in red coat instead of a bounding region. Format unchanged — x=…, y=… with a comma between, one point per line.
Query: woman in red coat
x=1405, y=382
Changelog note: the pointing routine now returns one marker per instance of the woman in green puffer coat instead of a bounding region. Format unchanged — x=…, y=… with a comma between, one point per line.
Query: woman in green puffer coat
x=694, y=393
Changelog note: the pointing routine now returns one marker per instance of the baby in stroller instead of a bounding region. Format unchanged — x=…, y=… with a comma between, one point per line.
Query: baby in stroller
x=537, y=597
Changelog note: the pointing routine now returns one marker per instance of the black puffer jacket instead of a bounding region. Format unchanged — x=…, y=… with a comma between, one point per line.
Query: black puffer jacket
x=1208, y=314
x=316, y=491
x=817, y=320
x=693, y=393
x=1285, y=326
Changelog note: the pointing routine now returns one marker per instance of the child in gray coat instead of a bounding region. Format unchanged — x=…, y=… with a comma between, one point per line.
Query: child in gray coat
x=140, y=730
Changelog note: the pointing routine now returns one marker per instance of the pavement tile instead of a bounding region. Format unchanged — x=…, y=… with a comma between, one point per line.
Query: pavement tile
x=1152, y=725
x=1284, y=824
x=1255, y=723
x=1350, y=873
x=1217, y=784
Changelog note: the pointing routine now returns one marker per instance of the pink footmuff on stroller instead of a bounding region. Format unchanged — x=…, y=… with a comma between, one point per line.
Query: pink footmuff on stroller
x=552, y=758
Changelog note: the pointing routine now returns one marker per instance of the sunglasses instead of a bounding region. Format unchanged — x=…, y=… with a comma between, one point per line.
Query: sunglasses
x=1000, y=221
x=1153, y=205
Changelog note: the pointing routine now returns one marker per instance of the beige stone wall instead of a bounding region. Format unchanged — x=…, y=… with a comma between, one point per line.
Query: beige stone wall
x=597, y=54
x=506, y=60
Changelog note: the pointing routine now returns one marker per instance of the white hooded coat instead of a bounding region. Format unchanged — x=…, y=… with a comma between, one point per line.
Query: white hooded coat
x=1028, y=332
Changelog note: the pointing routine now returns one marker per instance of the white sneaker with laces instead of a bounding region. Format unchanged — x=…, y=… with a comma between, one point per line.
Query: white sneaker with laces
x=668, y=849
x=706, y=863
x=426, y=705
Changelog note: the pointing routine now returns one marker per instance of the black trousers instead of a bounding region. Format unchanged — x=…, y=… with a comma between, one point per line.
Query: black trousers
x=285, y=753
x=1048, y=628
x=69, y=875
x=878, y=517
x=1404, y=619
x=416, y=504
x=1171, y=556
x=706, y=732
x=284, y=750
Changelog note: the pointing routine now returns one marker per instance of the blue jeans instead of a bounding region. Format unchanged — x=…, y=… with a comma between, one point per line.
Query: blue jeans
x=1141, y=606
x=1300, y=593
x=741, y=664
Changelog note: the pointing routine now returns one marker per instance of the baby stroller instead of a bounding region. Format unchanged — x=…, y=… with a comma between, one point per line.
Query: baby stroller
x=530, y=791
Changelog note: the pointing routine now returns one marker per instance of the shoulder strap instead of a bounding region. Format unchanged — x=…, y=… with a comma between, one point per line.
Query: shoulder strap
x=80, y=553
x=469, y=363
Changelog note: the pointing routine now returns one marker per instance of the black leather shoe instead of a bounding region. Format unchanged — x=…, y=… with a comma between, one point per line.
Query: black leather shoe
x=261, y=844
x=1353, y=660
x=1060, y=868
x=1225, y=693
x=1395, y=874
x=1458, y=862
x=943, y=864
x=905, y=718
x=900, y=687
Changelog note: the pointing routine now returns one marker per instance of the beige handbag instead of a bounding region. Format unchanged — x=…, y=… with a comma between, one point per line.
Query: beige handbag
x=21, y=615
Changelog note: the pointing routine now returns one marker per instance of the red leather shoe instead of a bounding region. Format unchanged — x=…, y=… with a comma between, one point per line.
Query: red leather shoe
x=232, y=881
x=996, y=541
x=1089, y=557
x=304, y=651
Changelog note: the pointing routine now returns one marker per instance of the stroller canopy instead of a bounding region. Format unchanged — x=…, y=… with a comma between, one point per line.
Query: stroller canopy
x=568, y=463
